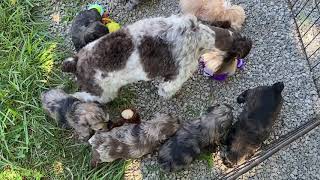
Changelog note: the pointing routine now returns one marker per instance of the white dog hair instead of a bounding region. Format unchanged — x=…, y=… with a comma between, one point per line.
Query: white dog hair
x=165, y=48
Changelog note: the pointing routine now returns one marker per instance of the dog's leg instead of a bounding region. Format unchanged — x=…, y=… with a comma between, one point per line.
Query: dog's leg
x=131, y=4
x=169, y=88
x=87, y=97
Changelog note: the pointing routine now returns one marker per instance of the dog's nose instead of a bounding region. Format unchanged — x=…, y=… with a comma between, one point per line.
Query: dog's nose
x=226, y=162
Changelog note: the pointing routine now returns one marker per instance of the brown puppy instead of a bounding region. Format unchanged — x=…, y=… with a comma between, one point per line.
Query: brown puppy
x=255, y=123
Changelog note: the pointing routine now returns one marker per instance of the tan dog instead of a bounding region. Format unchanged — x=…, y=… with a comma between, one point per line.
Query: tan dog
x=215, y=11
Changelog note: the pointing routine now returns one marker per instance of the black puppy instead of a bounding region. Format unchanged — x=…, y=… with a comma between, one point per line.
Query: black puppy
x=254, y=124
x=87, y=27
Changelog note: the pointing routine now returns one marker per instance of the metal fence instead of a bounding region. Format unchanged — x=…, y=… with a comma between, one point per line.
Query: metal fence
x=306, y=14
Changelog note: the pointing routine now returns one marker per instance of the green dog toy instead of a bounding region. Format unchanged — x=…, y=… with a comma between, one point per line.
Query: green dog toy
x=98, y=7
x=106, y=20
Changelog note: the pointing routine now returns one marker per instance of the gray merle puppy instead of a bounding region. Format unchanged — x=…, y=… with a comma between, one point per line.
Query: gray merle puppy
x=254, y=124
x=165, y=49
x=193, y=138
x=85, y=118
x=132, y=140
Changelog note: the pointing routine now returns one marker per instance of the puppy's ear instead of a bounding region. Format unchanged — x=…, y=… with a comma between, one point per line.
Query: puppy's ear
x=242, y=97
x=221, y=24
x=278, y=87
x=241, y=45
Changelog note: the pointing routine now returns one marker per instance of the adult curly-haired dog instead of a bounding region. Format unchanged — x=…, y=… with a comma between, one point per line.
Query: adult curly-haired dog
x=132, y=140
x=254, y=124
x=83, y=117
x=196, y=137
x=167, y=49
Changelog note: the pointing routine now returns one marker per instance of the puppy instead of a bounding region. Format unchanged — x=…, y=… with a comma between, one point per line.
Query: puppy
x=217, y=11
x=195, y=137
x=132, y=140
x=255, y=123
x=87, y=27
x=235, y=47
x=166, y=49
x=83, y=117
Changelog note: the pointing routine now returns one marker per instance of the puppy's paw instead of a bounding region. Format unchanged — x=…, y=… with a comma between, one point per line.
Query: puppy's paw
x=130, y=6
x=166, y=165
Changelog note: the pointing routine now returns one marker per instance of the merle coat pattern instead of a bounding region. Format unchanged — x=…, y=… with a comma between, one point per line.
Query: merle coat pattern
x=195, y=137
x=84, y=117
x=164, y=49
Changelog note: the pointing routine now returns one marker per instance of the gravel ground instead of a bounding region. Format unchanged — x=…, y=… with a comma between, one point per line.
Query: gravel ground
x=276, y=56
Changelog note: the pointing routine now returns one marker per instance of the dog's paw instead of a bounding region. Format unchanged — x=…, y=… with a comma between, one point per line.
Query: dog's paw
x=166, y=94
x=86, y=97
x=130, y=6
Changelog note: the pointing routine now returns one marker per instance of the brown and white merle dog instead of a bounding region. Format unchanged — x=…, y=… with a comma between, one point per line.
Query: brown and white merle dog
x=167, y=49
x=254, y=124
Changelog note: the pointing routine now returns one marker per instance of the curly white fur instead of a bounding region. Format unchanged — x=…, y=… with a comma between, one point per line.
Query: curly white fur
x=188, y=37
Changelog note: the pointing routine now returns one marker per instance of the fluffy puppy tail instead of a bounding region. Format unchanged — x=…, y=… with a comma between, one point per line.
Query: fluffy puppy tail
x=191, y=6
x=236, y=15
x=70, y=65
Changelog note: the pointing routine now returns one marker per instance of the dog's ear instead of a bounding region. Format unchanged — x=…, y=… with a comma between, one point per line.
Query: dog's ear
x=241, y=45
x=278, y=87
x=95, y=31
x=242, y=97
x=221, y=24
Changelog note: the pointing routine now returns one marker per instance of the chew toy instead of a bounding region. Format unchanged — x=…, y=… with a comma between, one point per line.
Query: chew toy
x=106, y=20
x=127, y=116
x=98, y=7
x=111, y=24
x=238, y=64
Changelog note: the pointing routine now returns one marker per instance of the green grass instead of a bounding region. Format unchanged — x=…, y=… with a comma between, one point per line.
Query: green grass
x=207, y=157
x=31, y=145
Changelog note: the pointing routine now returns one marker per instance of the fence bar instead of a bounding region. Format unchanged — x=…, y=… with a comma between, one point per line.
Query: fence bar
x=302, y=7
x=312, y=40
x=309, y=14
x=310, y=27
x=273, y=148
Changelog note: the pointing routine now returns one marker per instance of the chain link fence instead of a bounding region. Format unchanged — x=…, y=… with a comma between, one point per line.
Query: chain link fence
x=306, y=14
